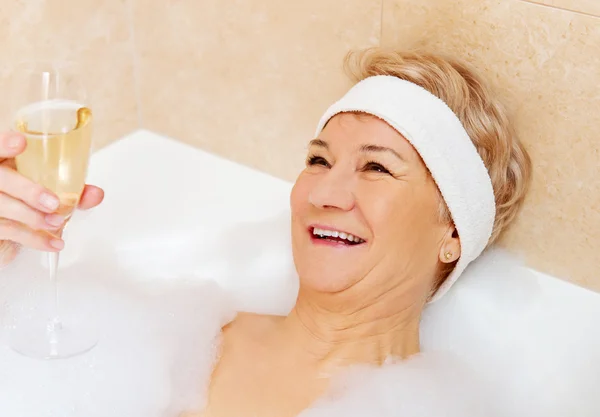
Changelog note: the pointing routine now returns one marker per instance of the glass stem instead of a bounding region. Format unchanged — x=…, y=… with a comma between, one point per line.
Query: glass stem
x=55, y=322
x=53, y=268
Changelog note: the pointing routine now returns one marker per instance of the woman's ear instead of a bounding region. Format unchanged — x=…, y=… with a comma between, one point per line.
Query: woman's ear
x=450, y=248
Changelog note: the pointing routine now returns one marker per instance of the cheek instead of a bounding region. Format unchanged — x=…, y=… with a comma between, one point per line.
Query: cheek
x=404, y=219
x=299, y=196
x=405, y=239
x=299, y=207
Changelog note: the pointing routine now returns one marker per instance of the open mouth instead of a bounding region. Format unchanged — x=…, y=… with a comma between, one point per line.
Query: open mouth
x=335, y=236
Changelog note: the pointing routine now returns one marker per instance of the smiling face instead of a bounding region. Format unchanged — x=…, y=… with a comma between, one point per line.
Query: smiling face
x=364, y=179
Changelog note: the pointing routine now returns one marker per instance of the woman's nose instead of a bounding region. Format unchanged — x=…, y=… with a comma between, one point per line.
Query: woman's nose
x=332, y=191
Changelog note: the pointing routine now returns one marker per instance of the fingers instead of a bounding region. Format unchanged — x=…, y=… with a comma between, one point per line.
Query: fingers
x=11, y=145
x=91, y=197
x=13, y=209
x=19, y=187
x=19, y=233
x=27, y=210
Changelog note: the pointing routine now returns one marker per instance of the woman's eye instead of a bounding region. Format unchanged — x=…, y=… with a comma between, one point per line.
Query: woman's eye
x=317, y=160
x=374, y=166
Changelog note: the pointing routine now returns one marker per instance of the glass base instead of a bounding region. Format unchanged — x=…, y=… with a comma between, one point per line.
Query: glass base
x=53, y=341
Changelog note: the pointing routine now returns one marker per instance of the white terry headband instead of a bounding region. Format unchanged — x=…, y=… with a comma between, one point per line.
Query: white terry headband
x=439, y=137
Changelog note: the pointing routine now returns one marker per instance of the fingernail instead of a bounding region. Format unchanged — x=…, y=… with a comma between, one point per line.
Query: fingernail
x=57, y=244
x=49, y=201
x=14, y=142
x=55, y=220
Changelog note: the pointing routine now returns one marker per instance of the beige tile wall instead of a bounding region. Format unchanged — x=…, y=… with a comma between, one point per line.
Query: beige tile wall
x=545, y=64
x=94, y=33
x=247, y=79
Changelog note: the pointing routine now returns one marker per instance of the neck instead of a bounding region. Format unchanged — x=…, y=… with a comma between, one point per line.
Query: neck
x=369, y=333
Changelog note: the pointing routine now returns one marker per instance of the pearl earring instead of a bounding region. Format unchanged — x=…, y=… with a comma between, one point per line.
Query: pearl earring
x=448, y=255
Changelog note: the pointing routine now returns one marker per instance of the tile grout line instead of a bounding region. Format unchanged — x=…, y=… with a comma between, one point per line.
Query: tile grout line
x=564, y=9
x=135, y=63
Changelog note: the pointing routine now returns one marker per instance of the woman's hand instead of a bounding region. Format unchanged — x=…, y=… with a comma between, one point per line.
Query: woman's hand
x=26, y=208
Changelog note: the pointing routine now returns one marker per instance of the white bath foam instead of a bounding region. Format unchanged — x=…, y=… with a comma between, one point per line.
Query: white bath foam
x=157, y=349
x=425, y=385
x=533, y=340
x=154, y=357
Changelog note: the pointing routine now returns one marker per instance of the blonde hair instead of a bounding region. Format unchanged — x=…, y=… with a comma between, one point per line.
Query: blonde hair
x=482, y=115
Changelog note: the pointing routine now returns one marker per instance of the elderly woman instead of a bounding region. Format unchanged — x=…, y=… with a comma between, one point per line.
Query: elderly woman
x=410, y=176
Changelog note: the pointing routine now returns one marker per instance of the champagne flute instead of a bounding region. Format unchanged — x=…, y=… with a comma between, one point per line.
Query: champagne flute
x=52, y=112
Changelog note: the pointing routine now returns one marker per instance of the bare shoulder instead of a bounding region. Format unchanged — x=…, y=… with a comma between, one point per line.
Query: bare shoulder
x=249, y=330
x=251, y=326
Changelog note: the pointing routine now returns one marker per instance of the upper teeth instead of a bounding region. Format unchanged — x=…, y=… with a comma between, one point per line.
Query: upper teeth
x=335, y=233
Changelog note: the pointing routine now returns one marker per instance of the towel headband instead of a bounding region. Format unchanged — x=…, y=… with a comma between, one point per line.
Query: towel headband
x=439, y=137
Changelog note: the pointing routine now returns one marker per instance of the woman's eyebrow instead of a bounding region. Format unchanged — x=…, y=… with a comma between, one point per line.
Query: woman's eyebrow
x=319, y=142
x=378, y=148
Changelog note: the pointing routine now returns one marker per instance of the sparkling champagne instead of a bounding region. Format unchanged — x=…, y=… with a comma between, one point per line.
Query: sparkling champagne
x=59, y=135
